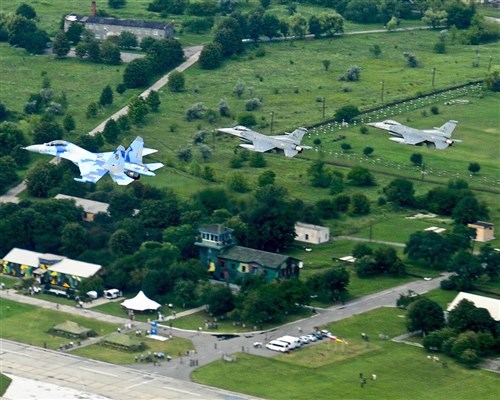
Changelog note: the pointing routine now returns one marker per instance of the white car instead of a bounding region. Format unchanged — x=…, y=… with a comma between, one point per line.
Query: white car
x=276, y=345
x=312, y=338
x=304, y=339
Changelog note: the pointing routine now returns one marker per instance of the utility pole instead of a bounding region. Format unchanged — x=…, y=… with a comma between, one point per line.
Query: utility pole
x=324, y=101
x=272, y=121
x=382, y=92
x=433, y=75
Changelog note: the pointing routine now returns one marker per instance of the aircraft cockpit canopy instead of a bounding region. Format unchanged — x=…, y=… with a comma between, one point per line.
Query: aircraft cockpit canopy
x=57, y=143
x=241, y=128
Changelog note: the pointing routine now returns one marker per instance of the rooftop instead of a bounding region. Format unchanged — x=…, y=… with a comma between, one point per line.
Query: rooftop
x=248, y=255
x=492, y=305
x=89, y=206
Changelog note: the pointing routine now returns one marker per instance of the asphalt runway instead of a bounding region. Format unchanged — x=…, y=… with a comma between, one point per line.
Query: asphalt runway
x=92, y=379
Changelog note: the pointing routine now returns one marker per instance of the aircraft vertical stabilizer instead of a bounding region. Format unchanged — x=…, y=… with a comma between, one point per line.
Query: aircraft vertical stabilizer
x=134, y=152
x=297, y=135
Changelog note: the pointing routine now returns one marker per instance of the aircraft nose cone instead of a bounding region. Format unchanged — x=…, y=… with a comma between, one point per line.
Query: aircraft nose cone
x=34, y=148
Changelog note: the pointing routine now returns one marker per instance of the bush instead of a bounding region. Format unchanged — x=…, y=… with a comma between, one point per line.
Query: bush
x=435, y=110
x=247, y=119
x=253, y=104
x=197, y=111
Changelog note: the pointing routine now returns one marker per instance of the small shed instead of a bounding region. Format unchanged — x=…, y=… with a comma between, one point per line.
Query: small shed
x=485, y=231
x=314, y=234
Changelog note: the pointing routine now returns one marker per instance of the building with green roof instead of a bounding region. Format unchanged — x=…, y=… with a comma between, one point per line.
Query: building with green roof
x=227, y=261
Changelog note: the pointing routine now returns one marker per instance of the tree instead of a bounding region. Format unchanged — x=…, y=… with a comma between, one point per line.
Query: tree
x=106, y=98
x=392, y=24
x=257, y=160
x=474, y=168
x=176, y=81
x=42, y=178
x=319, y=175
x=110, y=52
x=493, y=79
x=238, y=182
x=211, y=56
x=331, y=23
x=92, y=110
x=270, y=26
x=61, y=45
x=490, y=261
x=424, y=315
x=376, y=50
x=153, y=100
x=137, y=73
x=121, y=205
x=401, y=192
x=346, y=113
x=69, y=123
x=352, y=74
x=330, y=285
x=8, y=175
x=360, y=205
x=272, y=219
x=298, y=25
x=127, y=40
x=47, y=130
x=429, y=247
x=367, y=151
x=137, y=110
x=434, y=18
x=164, y=54
x=416, y=159
x=411, y=60
x=266, y=178
x=26, y=11
x=219, y=299
x=360, y=176
x=315, y=26
x=469, y=210
x=117, y=3
x=197, y=111
x=111, y=131
x=121, y=243
x=74, y=239
x=467, y=269
x=74, y=33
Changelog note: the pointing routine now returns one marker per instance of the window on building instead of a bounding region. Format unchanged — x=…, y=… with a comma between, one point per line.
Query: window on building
x=307, y=236
x=243, y=268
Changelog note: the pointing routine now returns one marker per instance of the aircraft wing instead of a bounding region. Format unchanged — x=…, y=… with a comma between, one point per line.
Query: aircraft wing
x=413, y=138
x=262, y=145
x=91, y=170
x=121, y=178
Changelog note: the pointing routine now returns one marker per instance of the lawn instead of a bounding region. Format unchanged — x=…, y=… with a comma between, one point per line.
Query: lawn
x=115, y=308
x=29, y=324
x=4, y=383
x=329, y=371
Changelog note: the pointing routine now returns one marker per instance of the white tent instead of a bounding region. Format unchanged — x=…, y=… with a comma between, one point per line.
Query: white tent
x=140, y=303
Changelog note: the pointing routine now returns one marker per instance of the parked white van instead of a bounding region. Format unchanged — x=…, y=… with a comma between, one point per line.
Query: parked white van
x=277, y=345
x=112, y=293
x=293, y=342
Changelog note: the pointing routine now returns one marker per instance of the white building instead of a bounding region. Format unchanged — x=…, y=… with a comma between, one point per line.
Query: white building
x=492, y=305
x=311, y=233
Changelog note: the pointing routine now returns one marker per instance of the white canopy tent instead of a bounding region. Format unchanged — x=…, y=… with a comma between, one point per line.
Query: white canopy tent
x=141, y=303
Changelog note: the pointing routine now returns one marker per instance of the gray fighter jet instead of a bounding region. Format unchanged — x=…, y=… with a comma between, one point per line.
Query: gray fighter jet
x=289, y=143
x=439, y=138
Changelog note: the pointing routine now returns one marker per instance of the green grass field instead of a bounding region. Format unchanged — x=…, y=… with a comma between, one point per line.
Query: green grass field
x=4, y=383
x=331, y=371
x=28, y=324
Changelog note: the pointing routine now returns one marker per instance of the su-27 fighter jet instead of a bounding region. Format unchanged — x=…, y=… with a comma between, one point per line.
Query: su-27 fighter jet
x=439, y=138
x=124, y=166
x=289, y=142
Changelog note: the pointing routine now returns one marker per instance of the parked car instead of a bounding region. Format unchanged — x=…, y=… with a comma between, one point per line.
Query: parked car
x=276, y=345
x=112, y=293
x=293, y=342
x=312, y=338
x=304, y=339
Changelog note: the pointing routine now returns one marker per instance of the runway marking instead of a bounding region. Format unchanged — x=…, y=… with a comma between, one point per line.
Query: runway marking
x=99, y=372
x=182, y=391
x=139, y=384
x=18, y=353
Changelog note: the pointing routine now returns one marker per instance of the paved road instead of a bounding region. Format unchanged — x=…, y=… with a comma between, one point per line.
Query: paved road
x=98, y=378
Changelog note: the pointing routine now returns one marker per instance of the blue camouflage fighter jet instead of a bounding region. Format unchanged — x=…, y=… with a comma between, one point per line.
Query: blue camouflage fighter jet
x=124, y=166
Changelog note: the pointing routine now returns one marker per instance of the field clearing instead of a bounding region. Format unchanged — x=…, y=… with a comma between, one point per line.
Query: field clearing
x=397, y=366
x=28, y=324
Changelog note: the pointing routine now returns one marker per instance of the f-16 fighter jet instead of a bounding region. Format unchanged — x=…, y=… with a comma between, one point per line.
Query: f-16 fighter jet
x=439, y=138
x=289, y=143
